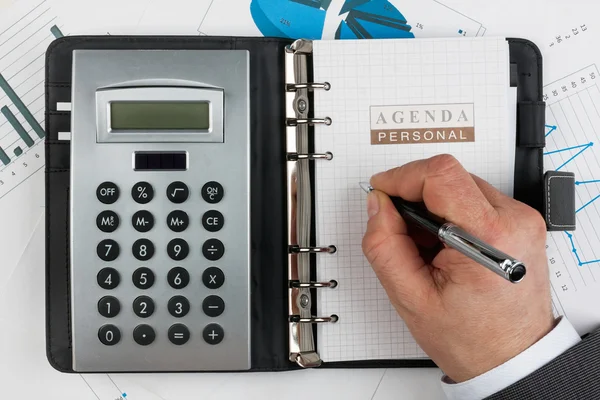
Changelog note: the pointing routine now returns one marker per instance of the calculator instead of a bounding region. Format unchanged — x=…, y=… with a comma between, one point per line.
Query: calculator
x=159, y=207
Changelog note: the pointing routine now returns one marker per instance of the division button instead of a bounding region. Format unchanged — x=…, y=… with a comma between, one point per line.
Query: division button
x=107, y=221
x=143, y=249
x=213, y=221
x=109, y=335
x=144, y=335
x=178, y=249
x=212, y=192
x=142, y=192
x=213, y=249
x=178, y=221
x=179, y=334
x=178, y=306
x=213, y=278
x=178, y=278
x=108, y=278
x=143, y=278
x=142, y=221
x=108, y=250
x=109, y=306
x=213, y=333
x=107, y=192
x=143, y=306
x=178, y=192
x=213, y=306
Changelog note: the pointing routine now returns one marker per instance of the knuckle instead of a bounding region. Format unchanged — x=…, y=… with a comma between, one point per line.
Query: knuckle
x=374, y=246
x=442, y=163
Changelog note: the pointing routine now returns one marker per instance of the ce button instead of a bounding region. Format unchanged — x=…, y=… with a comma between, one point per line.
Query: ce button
x=213, y=221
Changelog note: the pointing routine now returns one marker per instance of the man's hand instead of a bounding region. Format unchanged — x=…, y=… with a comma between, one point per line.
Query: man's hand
x=466, y=318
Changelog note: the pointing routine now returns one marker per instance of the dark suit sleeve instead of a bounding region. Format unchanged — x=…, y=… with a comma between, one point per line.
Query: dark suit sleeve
x=573, y=375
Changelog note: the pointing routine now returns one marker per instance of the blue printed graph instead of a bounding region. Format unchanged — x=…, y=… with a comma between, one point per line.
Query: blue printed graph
x=360, y=19
x=573, y=118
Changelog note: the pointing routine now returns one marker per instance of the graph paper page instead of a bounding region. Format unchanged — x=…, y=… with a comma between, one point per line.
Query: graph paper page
x=370, y=82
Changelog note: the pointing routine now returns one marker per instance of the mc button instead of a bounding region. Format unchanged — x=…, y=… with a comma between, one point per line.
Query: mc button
x=107, y=192
x=107, y=221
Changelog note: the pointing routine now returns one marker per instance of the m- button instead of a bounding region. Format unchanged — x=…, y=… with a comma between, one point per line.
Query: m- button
x=107, y=192
x=213, y=221
x=142, y=221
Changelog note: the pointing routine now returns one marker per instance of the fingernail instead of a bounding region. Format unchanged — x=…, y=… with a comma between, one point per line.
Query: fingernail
x=372, y=204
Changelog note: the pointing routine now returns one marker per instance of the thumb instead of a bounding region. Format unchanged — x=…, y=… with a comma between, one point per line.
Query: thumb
x=394, y=256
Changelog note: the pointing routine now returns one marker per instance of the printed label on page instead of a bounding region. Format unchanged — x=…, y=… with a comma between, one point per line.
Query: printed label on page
x=409, y=124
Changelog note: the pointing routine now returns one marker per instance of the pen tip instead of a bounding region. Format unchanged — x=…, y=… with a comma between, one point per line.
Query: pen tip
x=365, y=186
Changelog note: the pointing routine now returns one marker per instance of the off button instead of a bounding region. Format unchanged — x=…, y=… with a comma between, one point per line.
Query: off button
x=107, y=192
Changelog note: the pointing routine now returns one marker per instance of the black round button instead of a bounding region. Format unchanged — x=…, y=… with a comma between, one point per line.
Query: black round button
x=178, y=278
x=143, y=306
x=108, y=250
x=212, y=192
x=108, y=278
x=213, y=306
x=178, y=192
x=213, y=333
x=213, y=278
x=107, y=221
x=213, y=220
x=107, y=192
x=178, y=221
x=179, y=334
x=213, y=249
x=143, y=249
x=178, y=306
x=109, y=335
x=144, y=335
x=142, y=221
x=142, y=192
x=178, y=249
x=143, y=278
x=109, y=306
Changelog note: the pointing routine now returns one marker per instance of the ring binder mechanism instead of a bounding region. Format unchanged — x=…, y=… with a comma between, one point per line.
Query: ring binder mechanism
x=299, y=125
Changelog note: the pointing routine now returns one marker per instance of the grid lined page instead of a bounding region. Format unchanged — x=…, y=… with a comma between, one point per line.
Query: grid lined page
x=393, y=72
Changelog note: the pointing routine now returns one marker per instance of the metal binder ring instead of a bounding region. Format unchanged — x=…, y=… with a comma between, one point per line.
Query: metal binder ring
x=313, y=320
x=292, y=87
x=297, y=249
x=311, y=156
x=309, y=285
x=310, y=121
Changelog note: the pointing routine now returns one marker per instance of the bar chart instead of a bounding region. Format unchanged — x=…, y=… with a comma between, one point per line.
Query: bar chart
x=30, y=27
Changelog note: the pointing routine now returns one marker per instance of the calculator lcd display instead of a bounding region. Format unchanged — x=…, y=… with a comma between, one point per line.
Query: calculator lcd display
x=160, y=115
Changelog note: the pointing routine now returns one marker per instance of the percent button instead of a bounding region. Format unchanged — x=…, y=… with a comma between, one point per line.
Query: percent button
x=142, y=192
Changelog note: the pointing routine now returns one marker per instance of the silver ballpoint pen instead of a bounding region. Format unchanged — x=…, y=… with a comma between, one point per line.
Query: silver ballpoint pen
x=456, y=238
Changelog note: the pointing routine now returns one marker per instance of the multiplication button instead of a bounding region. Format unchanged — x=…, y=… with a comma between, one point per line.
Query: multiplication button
x=213, y=278
x=179, y=334
x=107, y=192
x=213, y=249
x=107, y=221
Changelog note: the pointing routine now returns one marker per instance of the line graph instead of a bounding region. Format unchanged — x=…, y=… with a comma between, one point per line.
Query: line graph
x=572, y=132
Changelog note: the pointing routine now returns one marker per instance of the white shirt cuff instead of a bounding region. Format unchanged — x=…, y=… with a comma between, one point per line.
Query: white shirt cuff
x=556, y=342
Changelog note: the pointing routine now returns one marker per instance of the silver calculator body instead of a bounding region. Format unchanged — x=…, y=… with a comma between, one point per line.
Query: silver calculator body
x=160, y=210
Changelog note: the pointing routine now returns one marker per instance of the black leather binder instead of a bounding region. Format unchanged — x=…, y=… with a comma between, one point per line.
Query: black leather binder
x=283, y=266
